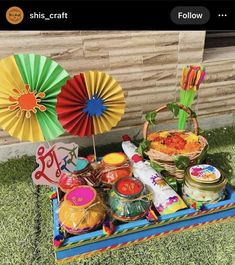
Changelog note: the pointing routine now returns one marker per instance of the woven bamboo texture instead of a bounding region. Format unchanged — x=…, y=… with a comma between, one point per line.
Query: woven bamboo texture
x=167, y=161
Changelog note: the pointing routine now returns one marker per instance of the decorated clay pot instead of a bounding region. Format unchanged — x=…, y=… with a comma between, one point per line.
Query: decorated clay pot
x=82, y=210
x=68, y=181
x=129, y=200
x=85, y=170
x=113, y=167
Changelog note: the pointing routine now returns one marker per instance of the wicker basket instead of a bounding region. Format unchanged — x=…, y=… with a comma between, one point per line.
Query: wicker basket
x=167, y=161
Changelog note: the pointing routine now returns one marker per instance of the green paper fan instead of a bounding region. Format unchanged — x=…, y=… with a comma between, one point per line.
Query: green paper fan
x=31, y=84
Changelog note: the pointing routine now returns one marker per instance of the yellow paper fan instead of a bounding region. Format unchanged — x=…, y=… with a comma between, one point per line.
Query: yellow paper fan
x=29, y=84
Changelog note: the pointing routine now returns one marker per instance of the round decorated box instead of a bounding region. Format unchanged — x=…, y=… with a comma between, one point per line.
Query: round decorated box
x=204, y=173
x=129, y=200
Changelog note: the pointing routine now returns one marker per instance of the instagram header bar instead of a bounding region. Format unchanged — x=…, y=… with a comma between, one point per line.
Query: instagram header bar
x=94, y=15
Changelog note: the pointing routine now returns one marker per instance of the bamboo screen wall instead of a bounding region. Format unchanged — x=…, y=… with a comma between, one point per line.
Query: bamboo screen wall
x=147, y=65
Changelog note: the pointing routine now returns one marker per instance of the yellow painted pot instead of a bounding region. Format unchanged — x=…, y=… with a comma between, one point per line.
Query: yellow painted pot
x=82, y=210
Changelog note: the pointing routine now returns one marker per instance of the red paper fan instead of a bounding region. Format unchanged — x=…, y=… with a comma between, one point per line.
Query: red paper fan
x=90, y=103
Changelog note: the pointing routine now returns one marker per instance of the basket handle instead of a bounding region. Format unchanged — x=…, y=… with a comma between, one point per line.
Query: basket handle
x=181, y=106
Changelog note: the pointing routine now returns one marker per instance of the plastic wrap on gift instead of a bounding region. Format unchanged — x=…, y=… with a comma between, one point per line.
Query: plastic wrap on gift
x=82, y=210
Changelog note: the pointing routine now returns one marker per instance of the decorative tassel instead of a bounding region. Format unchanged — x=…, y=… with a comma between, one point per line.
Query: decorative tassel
x=58, y=240
x=53, y=195
x=108, y=227
x=151, y=216
x=91, y=158
x=198, y=206
x=203, y=207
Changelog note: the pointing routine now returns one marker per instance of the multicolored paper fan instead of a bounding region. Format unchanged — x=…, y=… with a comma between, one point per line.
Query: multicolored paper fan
x=90, y=103
x=29, y=85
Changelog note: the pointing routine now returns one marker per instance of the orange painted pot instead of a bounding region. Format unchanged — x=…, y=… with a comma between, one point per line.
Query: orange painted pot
x=113, y=167
x=82, y=210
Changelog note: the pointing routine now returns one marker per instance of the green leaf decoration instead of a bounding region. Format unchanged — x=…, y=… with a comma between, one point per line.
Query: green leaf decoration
x=174, y=108
x=170, y=181
x=151, y=117
x=181, y=162
x=143, y=146
x=156, y=166
x=203, y=155
x=201, y=131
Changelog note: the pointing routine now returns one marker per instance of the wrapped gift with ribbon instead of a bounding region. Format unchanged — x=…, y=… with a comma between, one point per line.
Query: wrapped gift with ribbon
x=165, y=199
x=82, y=210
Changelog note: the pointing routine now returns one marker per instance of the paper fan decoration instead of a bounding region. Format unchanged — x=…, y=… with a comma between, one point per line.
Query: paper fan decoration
x=90, y=103
x=29, y=85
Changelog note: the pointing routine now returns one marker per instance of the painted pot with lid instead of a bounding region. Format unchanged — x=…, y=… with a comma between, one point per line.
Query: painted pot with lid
x=70, y=180
x=113, y=167
x=82, y=210
x=129, y=199
x=203, y=183
x=85, y=170
x=83, y=166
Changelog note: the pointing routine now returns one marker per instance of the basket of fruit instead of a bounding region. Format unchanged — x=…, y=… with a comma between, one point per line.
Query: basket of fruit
x=175, y=150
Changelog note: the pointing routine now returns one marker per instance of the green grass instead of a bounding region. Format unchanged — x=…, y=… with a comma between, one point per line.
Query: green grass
x=26, y=221
x=18, y=212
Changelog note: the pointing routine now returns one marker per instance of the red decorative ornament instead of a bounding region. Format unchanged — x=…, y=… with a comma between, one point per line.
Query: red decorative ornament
x=136, y=158
x=126, y=138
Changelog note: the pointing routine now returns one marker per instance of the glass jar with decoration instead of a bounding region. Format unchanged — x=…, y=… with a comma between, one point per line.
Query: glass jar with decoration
x=113, y=167
x=129, y=199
